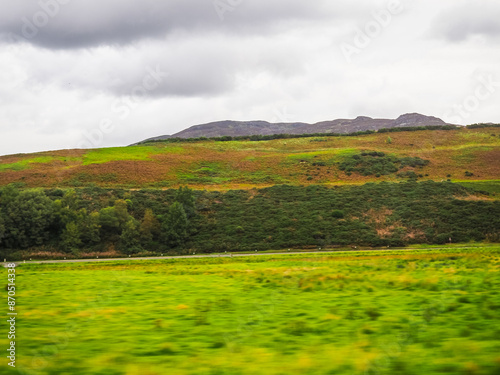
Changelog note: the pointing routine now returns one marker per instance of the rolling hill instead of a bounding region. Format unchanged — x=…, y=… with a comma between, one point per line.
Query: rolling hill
x=464, y=154
x=432, y=186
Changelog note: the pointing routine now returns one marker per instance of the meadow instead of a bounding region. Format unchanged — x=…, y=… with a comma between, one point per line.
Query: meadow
x=417, y=311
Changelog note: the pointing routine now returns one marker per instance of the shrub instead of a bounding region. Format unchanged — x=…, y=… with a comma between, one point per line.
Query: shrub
x=408, y=174
x=378, y=164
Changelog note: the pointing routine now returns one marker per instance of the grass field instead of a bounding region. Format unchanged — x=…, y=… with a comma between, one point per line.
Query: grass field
x=217, y=165
x=418, y=311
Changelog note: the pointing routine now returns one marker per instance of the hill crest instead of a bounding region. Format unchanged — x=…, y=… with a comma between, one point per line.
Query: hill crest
x=342, y=126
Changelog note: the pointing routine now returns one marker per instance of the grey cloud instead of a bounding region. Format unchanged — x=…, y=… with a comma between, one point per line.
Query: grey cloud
x=265, y=57
x=168, y=78
x=68, y=24
x=469, y=19
x=198, y=66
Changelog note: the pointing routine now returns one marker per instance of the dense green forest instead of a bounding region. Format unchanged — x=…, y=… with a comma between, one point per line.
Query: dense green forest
x=146, y=221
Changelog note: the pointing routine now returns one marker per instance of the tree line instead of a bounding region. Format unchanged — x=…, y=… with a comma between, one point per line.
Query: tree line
x=64, y=221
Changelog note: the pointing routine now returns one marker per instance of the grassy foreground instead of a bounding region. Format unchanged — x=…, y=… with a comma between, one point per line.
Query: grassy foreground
x=424, y=311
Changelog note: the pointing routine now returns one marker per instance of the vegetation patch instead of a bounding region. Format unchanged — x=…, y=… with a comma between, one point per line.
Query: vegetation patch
x=280, y=217
x=309, y=156
x=216, y=173
x=26, y=163
x=105, y=155
x=378, y=163
x=208, y=173
x=490, y=187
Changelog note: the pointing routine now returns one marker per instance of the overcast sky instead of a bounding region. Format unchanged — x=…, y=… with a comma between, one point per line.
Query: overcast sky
x=96, y=73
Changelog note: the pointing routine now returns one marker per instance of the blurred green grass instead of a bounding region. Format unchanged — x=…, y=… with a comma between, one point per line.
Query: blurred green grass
x=425, y=311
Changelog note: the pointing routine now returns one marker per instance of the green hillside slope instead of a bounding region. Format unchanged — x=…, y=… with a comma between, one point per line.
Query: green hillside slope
x=460, y=155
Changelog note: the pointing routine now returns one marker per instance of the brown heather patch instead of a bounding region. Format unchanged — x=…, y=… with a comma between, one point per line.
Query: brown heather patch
x=36, y=177
x=490, y=162
x=9, y=177
x=112, y=253
x=378, y=216
x=252, y=193
x=473, y=198
x=40, y=254
x=385, y=232
x=123, y=171
x=72, y=153
x=11, y=159
x=414, y=234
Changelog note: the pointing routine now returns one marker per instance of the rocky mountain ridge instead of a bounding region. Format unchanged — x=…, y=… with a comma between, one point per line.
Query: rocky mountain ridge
x=247, y=128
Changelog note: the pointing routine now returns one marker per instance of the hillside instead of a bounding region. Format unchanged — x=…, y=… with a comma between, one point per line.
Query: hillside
x=244, y=128
x=253, y=195
x=92, y=221
x=466, y=154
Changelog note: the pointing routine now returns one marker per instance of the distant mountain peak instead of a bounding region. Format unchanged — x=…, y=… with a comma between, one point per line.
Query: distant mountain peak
x=412, y=118
x=259, y=127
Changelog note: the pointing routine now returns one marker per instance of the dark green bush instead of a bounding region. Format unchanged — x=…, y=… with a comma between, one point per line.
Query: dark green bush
x=377, y=163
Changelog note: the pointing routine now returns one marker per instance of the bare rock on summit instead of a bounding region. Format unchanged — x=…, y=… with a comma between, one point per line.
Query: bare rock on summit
x=416, y=119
